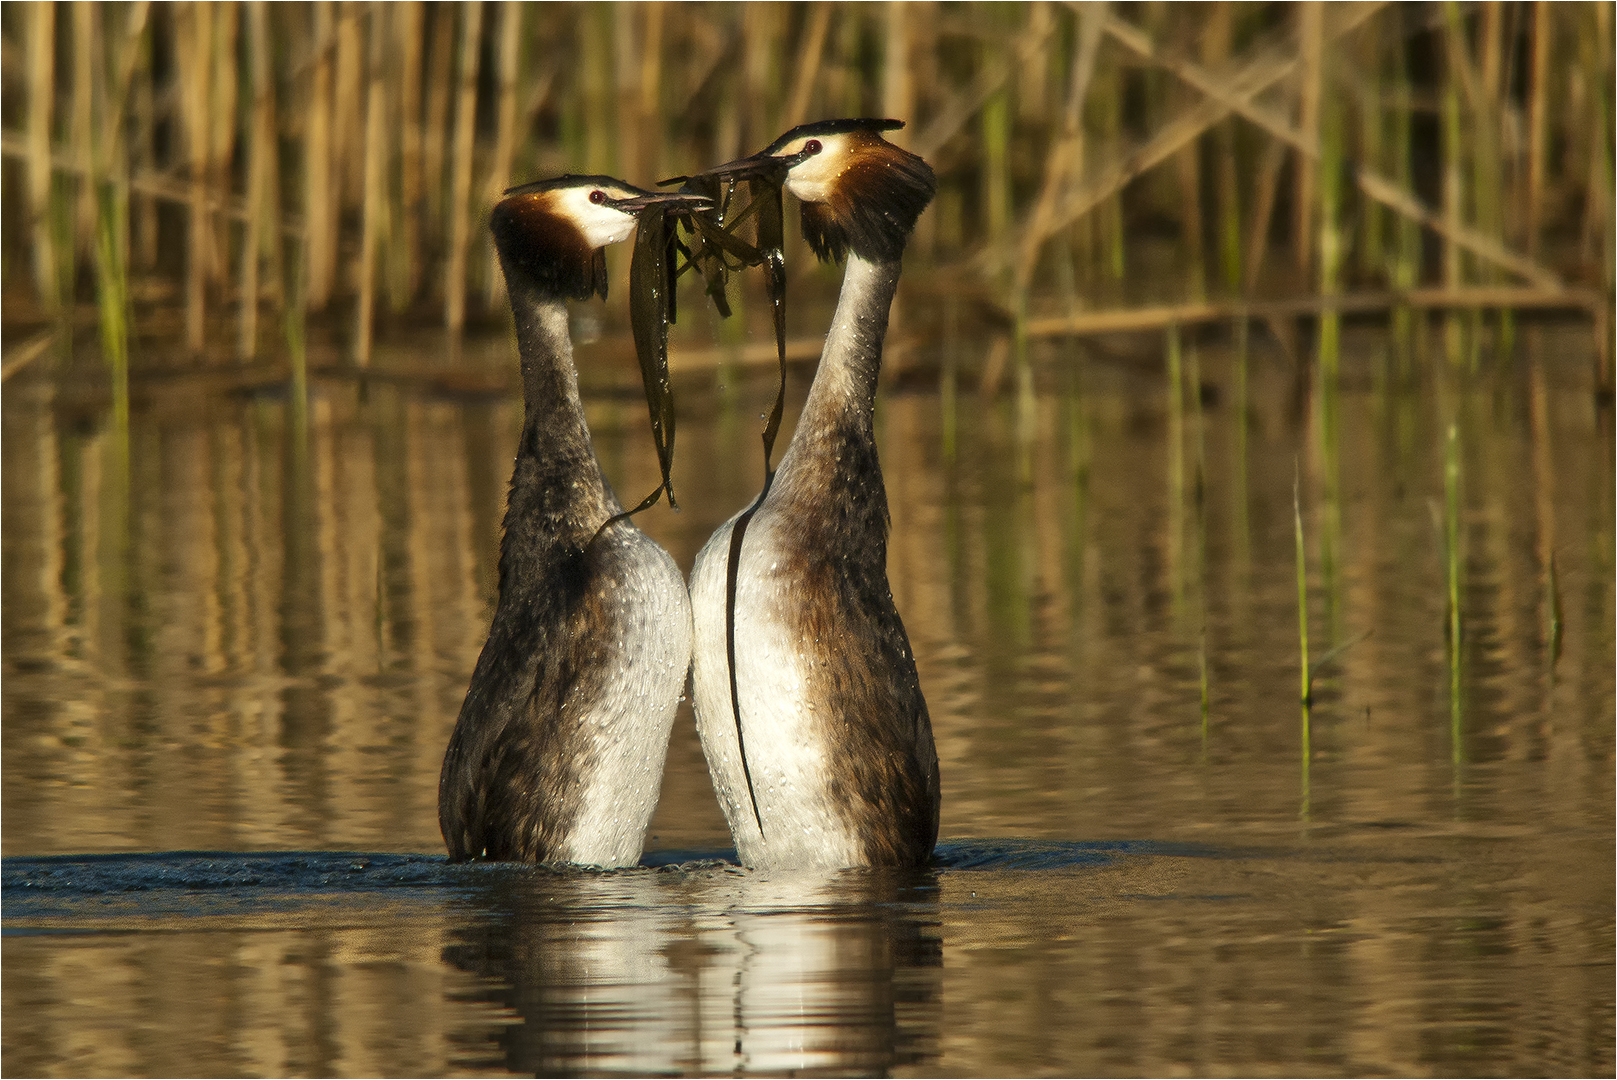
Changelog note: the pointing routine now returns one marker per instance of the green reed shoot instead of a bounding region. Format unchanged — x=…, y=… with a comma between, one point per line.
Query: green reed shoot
x=112, y=299
x=1176, y=464
x=1199, y=430
x=1306, y=688
x=1302, y=597
x=1553, y=585
x=294, y=323
x=1201, y=656
x=1027, y=415
x=1451, y=559
x=1243, y=392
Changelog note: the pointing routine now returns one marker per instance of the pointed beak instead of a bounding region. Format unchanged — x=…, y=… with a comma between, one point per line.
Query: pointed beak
x=673, y=200
x=739, y=169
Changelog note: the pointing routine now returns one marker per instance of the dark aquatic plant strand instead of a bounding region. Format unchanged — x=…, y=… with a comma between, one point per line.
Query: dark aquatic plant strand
x=706, y=256
x=651, y=310
x=716, y=238
x=653, y=283
x=766, y=195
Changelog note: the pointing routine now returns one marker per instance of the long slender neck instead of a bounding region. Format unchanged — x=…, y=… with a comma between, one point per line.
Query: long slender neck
x=557, y=488
x=549, y=379
x=842, y=401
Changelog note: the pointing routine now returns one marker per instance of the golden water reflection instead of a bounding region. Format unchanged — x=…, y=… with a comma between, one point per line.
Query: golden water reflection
x=217, y=640
x=1140, y=959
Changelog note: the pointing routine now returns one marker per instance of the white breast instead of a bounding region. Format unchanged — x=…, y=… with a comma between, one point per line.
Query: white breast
x=785, y=737
x=630, y=725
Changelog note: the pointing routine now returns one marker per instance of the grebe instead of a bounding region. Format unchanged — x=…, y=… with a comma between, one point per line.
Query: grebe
x=558, y=752
x=818, y=738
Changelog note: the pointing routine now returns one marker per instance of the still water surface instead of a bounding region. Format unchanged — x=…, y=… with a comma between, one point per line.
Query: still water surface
x=251, y=650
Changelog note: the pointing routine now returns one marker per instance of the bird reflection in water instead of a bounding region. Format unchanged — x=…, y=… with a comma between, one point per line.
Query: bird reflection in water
x=708, y=969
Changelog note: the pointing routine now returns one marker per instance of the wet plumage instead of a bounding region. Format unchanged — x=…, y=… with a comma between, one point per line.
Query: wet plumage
x=837, y=740
x=558, y=752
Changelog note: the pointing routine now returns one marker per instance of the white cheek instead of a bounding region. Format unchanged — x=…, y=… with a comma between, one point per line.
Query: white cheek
x=601, y=225
x=810, y=189
x=813, y=180
x=608, y=227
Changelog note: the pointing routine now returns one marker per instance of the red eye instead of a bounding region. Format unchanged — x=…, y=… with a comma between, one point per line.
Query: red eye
x=812, y=147
x=597, y=196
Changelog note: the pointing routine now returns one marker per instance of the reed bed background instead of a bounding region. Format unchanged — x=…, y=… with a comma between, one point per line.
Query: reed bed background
x=248, y=622
x=213, y=174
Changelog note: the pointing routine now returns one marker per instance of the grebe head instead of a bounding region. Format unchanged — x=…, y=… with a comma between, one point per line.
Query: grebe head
x=860, y=193
x=554, y=233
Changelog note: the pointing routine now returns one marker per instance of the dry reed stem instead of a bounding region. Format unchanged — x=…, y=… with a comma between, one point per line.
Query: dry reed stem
x=160, y=186
x=758, y=34
x=630, y=150
x=1033, y=78
x=752, y=354
x=898, y=89
x=1245, y=84
x=1268, y=185
x=809, y=58
x=1237, y=95
x=594, y=126
x=1191, y=230
x=1454, y=140
x=273, y=227
x=1372, y=143
x=143, y=219
x=842, y=85
x=20, y=357
x=1157, y=317
x=435, y=147
x=405, y=250
x=1492, y=51
x=999, y=351
x=989, y=81
x=460, y=188
x=1541, y=436
x=1597, y=208
x=374, y=208
x=37, y=153
x=1066, y=158
x=347, y=127
x=223, y=117
x=108, y=166
x=1216, y=43
x=1537, y=123
x=651, y=76
x=1311, y=41
x=85, y=18
x=257, y=164
x=110, y=162
x=319, y=217
x=196, y=55
x=708, y=60
x=995, y=139
x=500, y=177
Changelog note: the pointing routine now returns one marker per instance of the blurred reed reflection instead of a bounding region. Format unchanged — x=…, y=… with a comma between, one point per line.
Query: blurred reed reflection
x=709, y=971
x=1405, y=952
x=218, y=636
x=260, y=643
